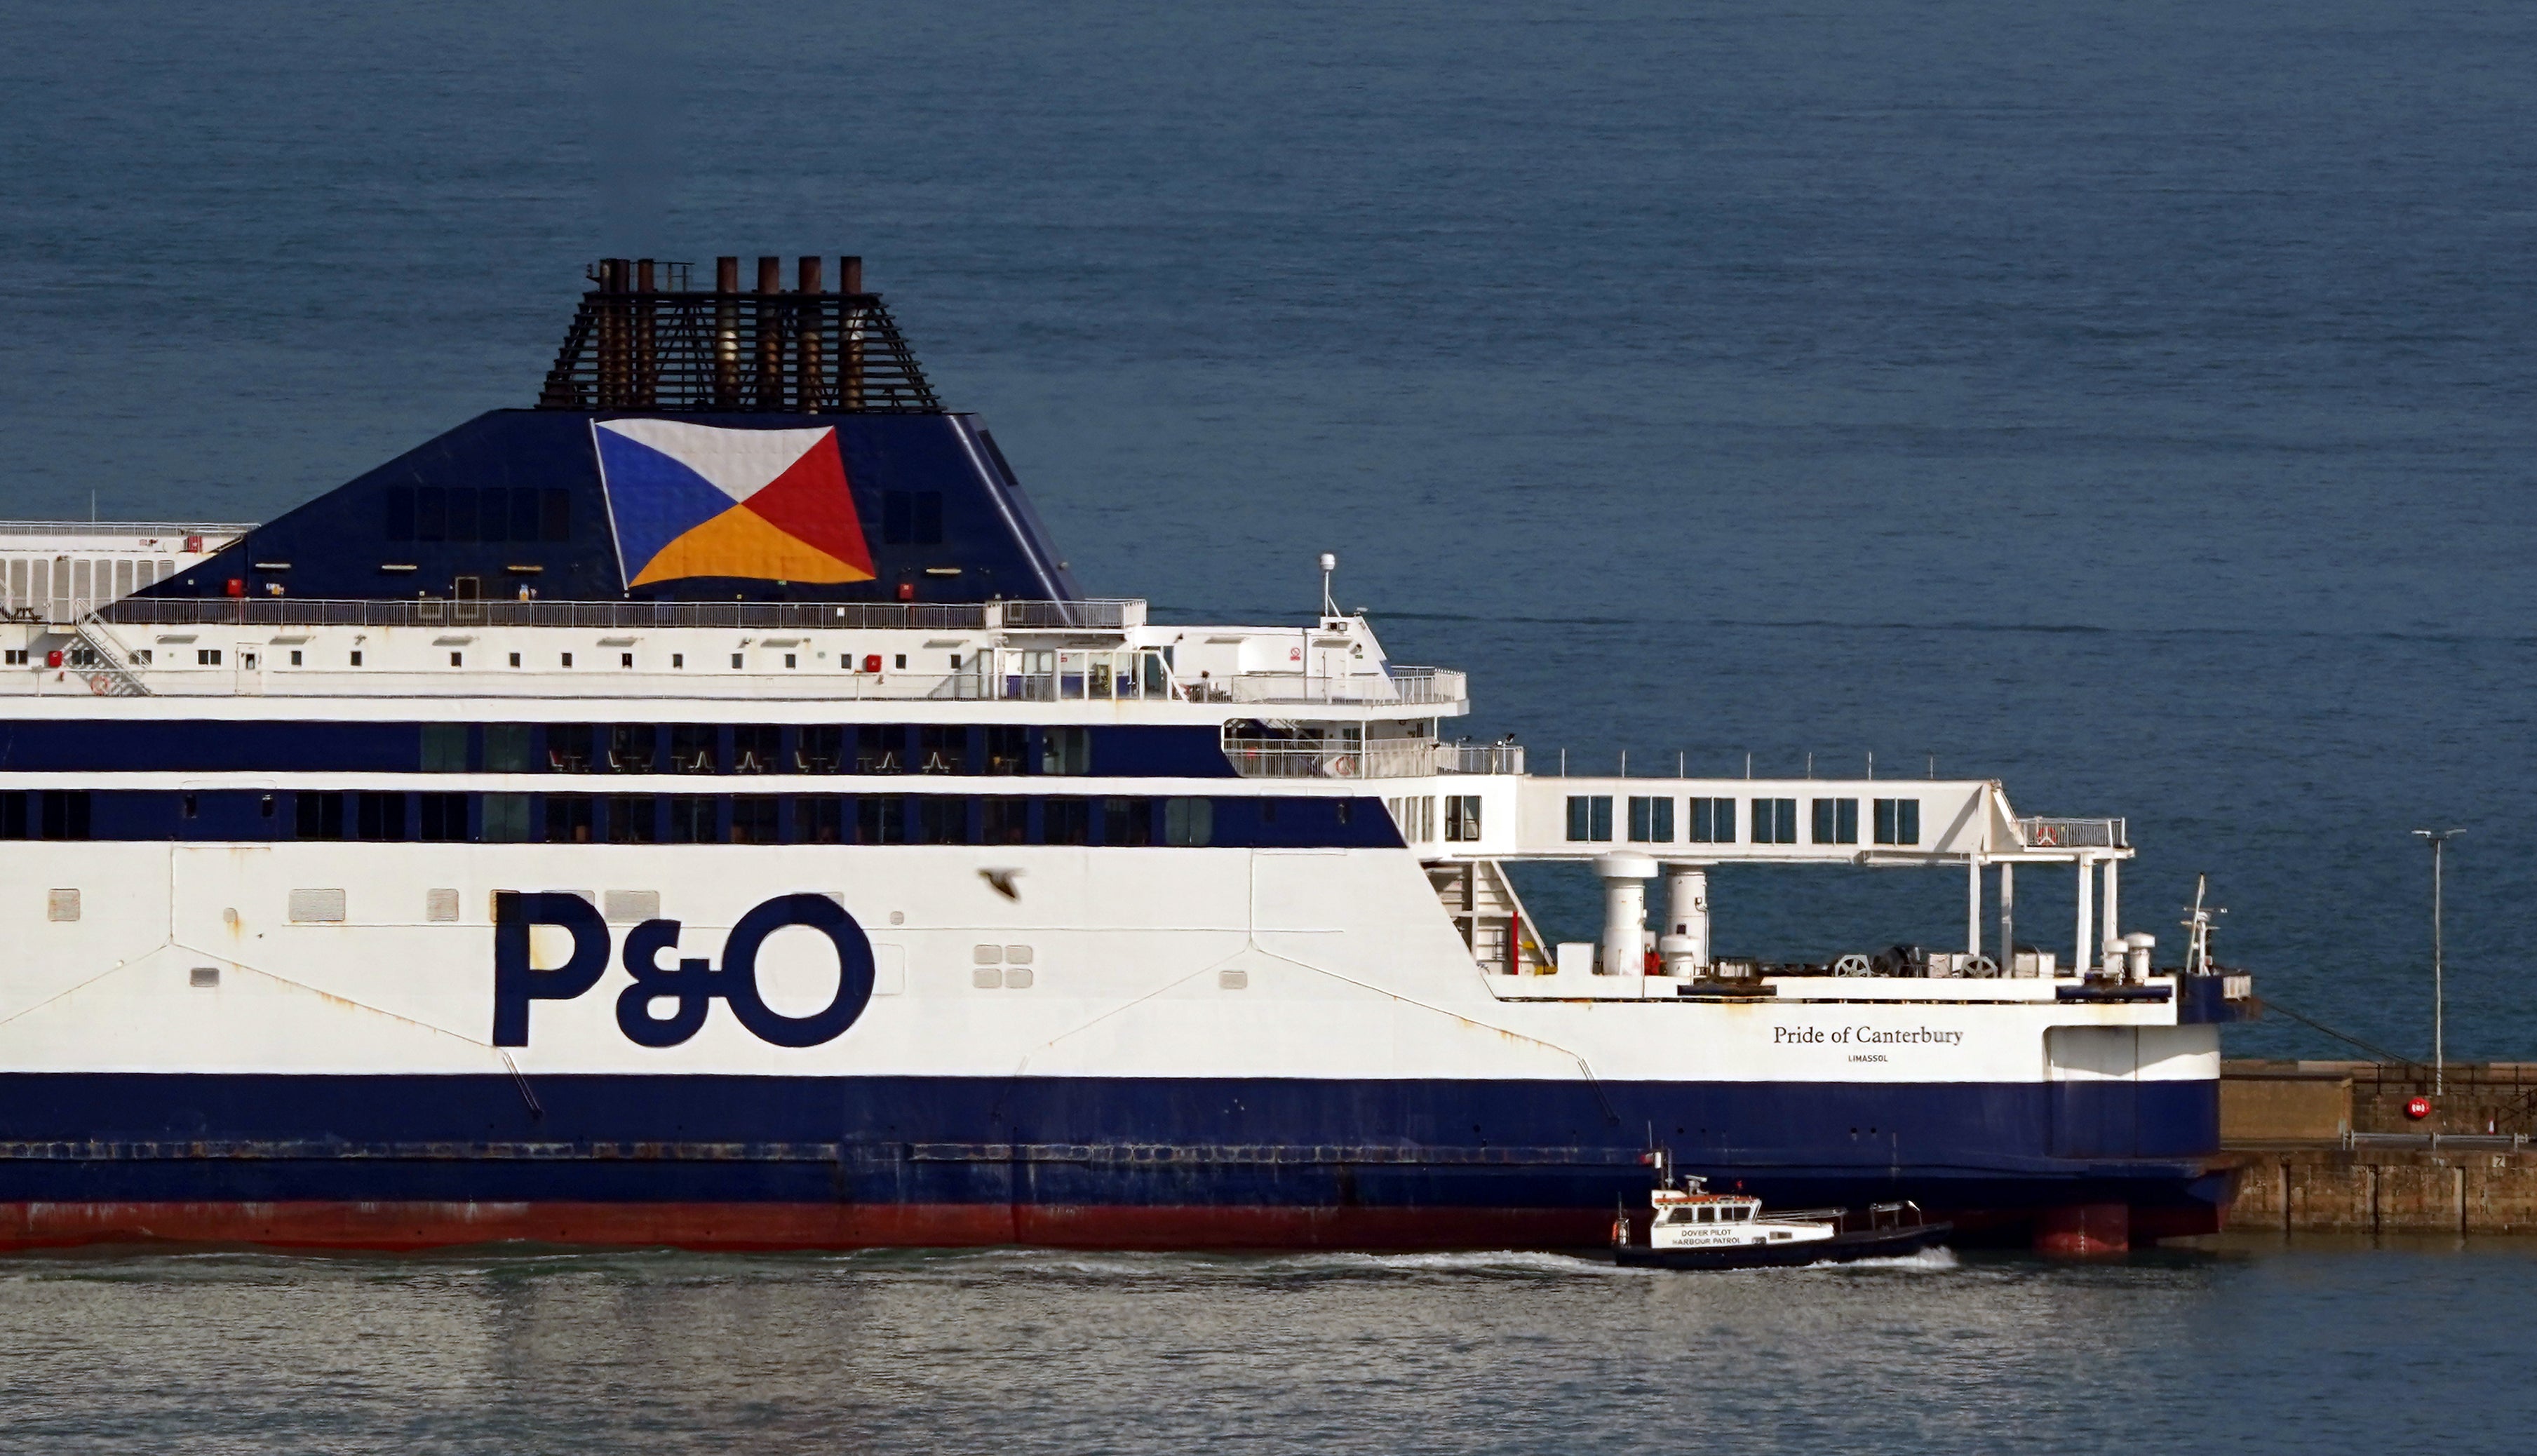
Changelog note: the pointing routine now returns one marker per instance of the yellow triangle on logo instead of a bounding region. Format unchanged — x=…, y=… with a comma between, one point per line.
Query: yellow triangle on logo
x=740, y=543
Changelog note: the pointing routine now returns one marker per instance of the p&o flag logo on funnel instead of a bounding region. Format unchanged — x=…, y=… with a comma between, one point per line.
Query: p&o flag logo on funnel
x=694, y=500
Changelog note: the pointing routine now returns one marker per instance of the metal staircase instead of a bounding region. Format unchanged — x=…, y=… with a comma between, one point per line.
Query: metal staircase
x=1484, y=906
x=104, y=660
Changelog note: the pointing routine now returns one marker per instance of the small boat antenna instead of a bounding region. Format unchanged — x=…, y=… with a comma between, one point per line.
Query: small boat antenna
x=2197, y=930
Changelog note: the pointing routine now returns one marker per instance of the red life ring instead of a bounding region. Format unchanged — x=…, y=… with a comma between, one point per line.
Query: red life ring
x=2419, y=1109
x=98, y=683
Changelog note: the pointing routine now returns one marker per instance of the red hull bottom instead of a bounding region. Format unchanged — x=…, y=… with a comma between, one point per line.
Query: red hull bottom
x=406, y=1226
x=395, y=1227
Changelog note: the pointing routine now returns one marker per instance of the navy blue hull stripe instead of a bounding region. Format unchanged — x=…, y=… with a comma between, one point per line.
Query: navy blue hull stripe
x=1089, y=1142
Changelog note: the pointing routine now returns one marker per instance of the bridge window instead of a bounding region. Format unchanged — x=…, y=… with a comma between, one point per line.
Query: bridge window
x=1650, y=820
x=1462, y=818
x=1774, y=821
x=1590, y=819
x=1712, y=821
x=911, y=517
x=1898, y=821
x=1836, y=821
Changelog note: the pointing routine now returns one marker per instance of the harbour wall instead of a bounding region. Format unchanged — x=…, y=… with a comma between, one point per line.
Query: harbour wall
x=2329, y=1147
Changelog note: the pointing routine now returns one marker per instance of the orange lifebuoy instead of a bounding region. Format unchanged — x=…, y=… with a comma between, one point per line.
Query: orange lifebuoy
x=98, y=682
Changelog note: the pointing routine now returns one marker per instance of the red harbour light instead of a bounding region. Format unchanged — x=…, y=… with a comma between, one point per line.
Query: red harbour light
x=2418, y=1108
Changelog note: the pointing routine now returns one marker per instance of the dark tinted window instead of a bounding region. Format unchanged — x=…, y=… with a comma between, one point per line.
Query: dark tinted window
x=524, y=515
x=444, y=817
x=380, y=816
x=315, y=815
x=881, y=748
x=493, y=514
x=941, y=820
x=430, y=513
x=64, y=814
x=944, y=749
x=1006, y=821
x=399, y=523
x=692, y=748
x=569, y=747
x=1126, y=821
x=568, y=820
x=632, y=820
x=818, y=819
x=462, y=513
x=444, y=747
x=507, y=748
x=691, y=819
x=880, y=819
x=631, y=746
x=753, y=748
x=556, y=519
x=1008, y=749
x=819, y=748
x=1066, y=821
x=752, y=819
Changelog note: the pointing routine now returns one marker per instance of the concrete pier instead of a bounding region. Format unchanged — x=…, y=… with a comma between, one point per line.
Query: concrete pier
x=2328, y=1147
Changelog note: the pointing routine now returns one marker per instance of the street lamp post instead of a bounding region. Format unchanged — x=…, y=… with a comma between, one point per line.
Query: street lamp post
x=2438, y=839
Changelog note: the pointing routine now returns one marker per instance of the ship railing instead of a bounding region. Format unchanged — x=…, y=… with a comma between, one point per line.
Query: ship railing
x=1105, y=615
x=1410, y=686
x=438, y=611
x=2072, y=834
x=1092, y=613
x=1379, y=758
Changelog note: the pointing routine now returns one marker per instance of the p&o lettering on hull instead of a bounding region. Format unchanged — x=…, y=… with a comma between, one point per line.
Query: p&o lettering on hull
x=692, y=984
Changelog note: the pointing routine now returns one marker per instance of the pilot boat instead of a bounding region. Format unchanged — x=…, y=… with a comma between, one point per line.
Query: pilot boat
x=1692, y=1228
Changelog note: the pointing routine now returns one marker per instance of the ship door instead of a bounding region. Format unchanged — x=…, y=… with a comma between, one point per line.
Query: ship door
x=250, y=657
x=468, y=591
x=2095, y=1085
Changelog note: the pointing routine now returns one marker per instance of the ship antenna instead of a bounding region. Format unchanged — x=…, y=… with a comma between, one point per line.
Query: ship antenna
x=1330, y=563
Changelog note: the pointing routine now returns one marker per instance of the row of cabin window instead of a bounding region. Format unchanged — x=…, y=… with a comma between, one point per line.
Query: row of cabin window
x=760, y=748
x=1712, y=821
x=469, y=513
x=755, y=819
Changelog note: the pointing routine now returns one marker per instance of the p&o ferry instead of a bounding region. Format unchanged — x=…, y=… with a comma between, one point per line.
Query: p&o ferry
x=701, y=808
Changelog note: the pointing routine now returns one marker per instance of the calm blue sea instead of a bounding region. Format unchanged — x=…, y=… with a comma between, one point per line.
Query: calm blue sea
x=2132, y=401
